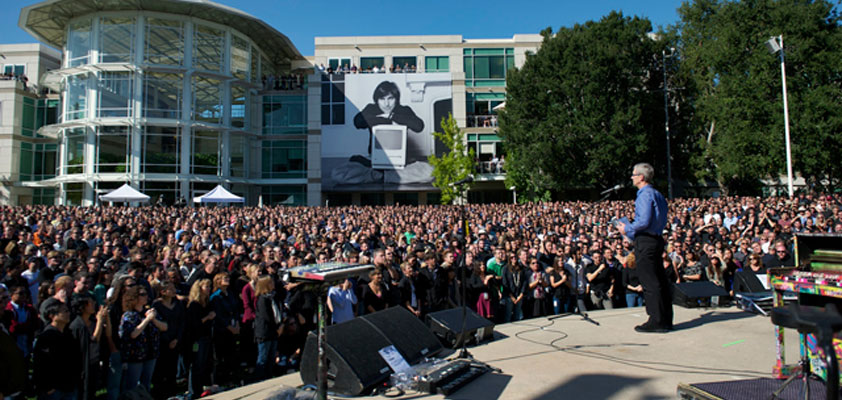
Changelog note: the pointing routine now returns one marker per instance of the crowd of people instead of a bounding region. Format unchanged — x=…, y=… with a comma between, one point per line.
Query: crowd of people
x=11, y=76
x=352, y=69
x=116, y=298
x=283, y=82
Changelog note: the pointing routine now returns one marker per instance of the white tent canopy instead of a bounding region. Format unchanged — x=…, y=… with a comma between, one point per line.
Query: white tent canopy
x=218, y=195
x=499, y=106
x=125, y=194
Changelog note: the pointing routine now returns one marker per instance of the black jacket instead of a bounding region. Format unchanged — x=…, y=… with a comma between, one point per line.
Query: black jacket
x=57, y=359
x=265, y=327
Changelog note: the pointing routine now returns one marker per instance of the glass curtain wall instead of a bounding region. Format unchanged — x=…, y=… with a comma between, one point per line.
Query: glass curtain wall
x=239, y=106
x=164, y=42
x=79, y=43
x=205, y=159
x=161, y=150
x=207, y=100
x=284, y=159
x=285, y=114
x=74, y=147
x=208, y=48
x=237, y=166
x=162, y=95
x=239, y=58
x=115, y=94
x=113, y=150
x=116, y=38
x=76, y=100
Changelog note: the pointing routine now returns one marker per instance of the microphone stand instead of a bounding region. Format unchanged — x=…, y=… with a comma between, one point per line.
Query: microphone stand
x=581, y=305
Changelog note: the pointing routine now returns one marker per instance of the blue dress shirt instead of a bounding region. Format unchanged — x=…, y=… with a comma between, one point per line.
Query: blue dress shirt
x=650, y=213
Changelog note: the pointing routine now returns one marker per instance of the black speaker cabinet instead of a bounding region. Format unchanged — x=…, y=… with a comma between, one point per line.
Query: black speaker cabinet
x=699, y=294
x=354, y=364
x=447, y=324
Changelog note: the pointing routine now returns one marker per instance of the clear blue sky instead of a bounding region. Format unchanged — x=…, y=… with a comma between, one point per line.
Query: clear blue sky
x=303, y=20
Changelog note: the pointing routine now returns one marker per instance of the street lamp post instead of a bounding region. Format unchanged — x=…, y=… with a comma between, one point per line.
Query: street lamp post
x=776, y=44
x=514, y=193
x=667, y=122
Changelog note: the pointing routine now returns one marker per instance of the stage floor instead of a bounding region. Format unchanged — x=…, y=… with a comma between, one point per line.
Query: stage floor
x=574, y=359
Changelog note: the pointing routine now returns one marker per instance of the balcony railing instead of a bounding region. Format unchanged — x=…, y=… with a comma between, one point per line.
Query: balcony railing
x=490, y=167
x=482, y=121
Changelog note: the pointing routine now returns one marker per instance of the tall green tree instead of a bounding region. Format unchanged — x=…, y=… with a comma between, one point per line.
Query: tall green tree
x=585, y=108
x=738, y=120
x=456, y=164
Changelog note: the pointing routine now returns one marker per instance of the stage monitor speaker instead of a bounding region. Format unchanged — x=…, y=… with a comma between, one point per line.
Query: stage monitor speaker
x=409, y=335
x=354, y=365
x=447, y=324
x=699, y=294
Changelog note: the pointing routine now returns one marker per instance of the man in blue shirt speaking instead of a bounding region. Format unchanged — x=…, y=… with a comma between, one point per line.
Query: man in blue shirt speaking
x=650, y=218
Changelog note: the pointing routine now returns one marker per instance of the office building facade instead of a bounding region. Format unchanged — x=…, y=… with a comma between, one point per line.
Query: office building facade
x=177, y=96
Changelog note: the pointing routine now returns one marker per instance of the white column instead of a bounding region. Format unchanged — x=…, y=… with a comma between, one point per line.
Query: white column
x=186, y=109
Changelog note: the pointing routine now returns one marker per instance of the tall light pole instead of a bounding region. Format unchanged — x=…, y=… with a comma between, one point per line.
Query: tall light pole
x=667, y=121
x=776, y=44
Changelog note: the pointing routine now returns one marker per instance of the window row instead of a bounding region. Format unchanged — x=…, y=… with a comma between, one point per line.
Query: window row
x=164, y=42
x=162, y=97
x=160, y=151
x=487, y=67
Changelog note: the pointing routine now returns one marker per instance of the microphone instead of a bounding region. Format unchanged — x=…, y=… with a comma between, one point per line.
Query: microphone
x=612, y=189
x=467, y=179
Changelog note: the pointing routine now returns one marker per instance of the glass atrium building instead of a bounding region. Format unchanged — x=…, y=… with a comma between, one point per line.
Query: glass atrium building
x=170, y=96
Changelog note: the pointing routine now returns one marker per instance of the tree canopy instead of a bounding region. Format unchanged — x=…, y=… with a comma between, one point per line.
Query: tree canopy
x=455, y=164
x=585, y=108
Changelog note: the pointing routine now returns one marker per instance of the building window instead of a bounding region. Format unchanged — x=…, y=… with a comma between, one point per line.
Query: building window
x=255, y=62
x=79, y=43
x=284, y=159
x=46, y=113
x=162, y=95
x=437, y=64
x=239, y=58
x=16, y=69
x=208, y=48
x=164, y=42
x=161, y=150
x=206, y=153
x=405, y=62
x=369, y=63
x=74, y=145
x=288, y=195
x=76, y=101
x=207, y=100
x=335, y=64
x=113, y=151
x=115, y=94
x=116, y=37
x=73, y=193
x=237, y=166
x=333, y=99
x=239, y=106
x=43, y=196
x=284, y=114
x=26, y=157
x=45, y=161
x=487, y=67
x=27, y=122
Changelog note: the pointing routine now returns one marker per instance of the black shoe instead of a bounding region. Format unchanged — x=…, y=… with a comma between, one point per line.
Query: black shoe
x=650, y=328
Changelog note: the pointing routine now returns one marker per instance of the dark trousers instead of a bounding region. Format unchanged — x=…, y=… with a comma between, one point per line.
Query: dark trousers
x=656, y=288
x=166, y=370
